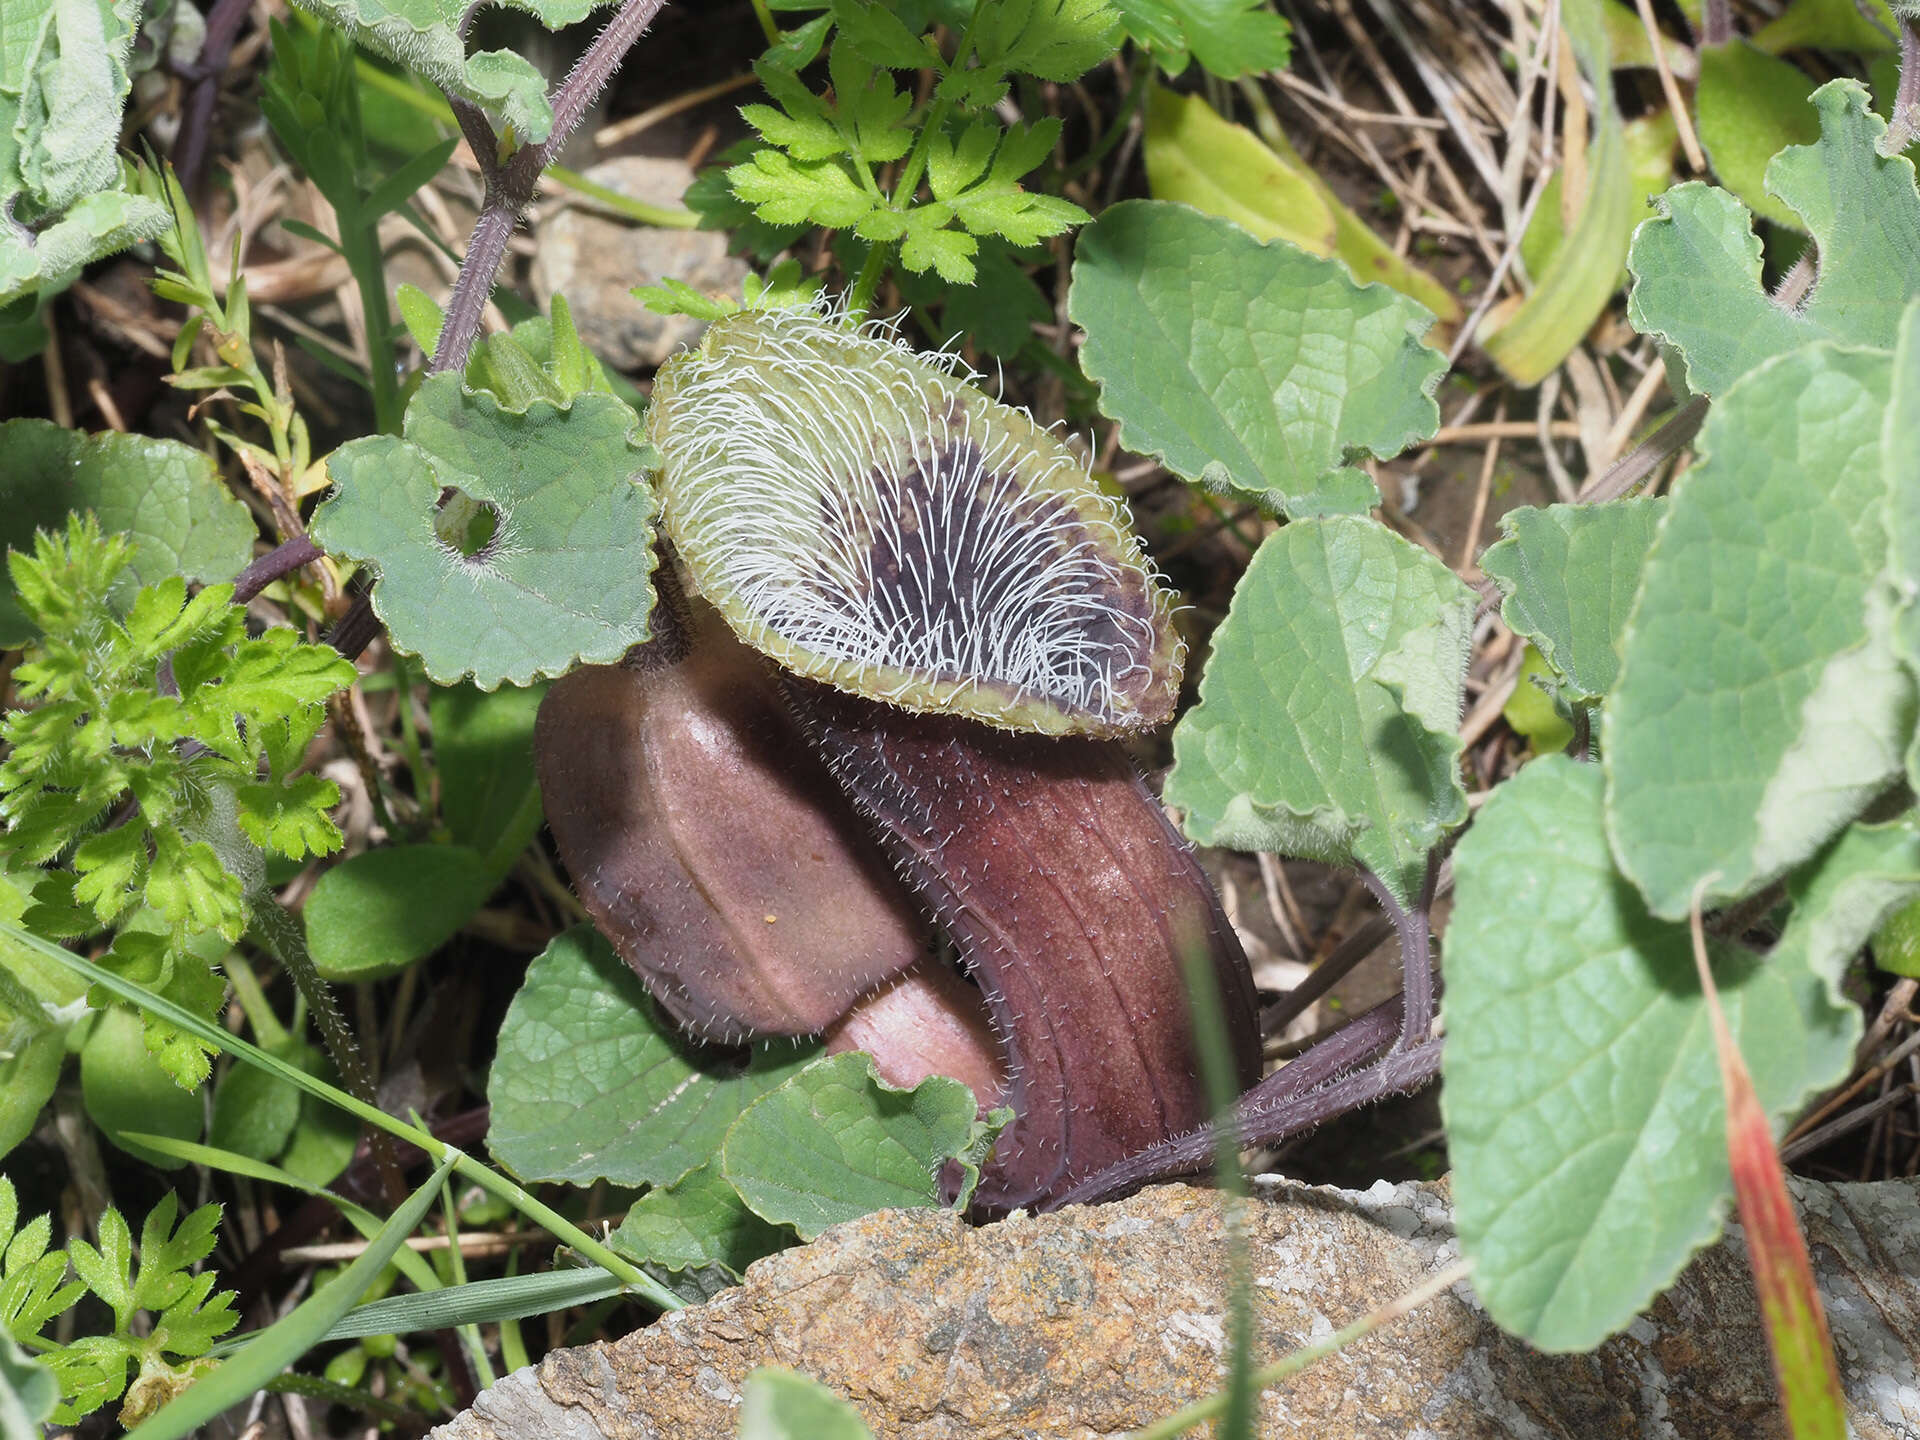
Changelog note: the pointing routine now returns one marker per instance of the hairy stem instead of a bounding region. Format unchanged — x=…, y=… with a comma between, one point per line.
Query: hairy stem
x=1321, y=1085
x=510, y=187
x=1411, y=923
x=1716, y=24
x=1905, y=125
x=1634, y=468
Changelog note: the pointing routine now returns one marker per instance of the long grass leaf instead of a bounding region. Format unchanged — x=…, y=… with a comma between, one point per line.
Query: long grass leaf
x=478, y=1303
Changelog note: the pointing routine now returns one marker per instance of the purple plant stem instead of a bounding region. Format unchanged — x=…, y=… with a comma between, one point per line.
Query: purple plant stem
x=1322, y=1084
x=1416, y=950
x=278, y=562
x=196, y=120
x=1716, y=22
x=1906, y=96
x=510, y=187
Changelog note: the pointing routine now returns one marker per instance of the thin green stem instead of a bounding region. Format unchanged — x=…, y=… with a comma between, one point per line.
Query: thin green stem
x=868, y=280
x=767, y=25
x=360, y=244
x=457, y=1272
x=266, y=1025
x=410, y=731
x=660, y=216
x=495, y=1184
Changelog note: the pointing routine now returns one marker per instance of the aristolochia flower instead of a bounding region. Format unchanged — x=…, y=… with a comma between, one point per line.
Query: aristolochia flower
x=870, y=520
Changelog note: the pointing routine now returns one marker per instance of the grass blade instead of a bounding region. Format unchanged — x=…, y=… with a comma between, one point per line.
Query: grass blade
x=479, y=1302
x=286, y=1340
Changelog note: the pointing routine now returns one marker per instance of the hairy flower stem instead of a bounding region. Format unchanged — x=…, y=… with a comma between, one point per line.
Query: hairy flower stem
x=510, y=186
x=1412, y=924
x=1321, y=1085
x=1905, y=124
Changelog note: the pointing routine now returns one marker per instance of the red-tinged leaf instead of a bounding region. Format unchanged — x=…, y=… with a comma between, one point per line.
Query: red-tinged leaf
x=1796, y=1324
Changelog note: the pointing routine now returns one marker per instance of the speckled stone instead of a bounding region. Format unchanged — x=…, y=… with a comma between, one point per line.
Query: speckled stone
x=1091, y=1322
x=595, y=261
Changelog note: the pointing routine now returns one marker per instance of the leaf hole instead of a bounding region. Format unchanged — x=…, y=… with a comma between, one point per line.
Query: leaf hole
x=467, y=526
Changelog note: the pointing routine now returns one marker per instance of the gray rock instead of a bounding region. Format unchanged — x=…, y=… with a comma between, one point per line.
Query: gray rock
x=1092, y=1322
x=595, y=261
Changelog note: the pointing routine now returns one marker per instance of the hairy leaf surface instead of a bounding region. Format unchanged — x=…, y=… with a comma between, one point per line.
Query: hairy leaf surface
x=1582, y=1096
x=1328, y=718
x=565, y=575
x=1696, y=268
x=1759, y=705
x=1260, y=366
x=1569, y=574
x=591, y=1082
x=834, y=1142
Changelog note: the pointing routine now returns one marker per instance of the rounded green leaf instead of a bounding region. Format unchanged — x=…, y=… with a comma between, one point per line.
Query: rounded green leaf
x=1585, y=1118
x=1328, y=718
x=483, y=751
x=1215, y=350
x=590, y=1081
x=1759, y=705
x=700, y=1220
x=125, y=1088
x=835, y=1142
x=378, y=912
x=1569, y=574
x=165, y=495
x=1696, y=266
x=565, y=575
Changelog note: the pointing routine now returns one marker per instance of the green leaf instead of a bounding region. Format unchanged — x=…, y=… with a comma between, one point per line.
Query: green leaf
x=374, y=914
x=1696, y=267
x=125, y=1088
x=64, y=80
x=1328, y=718
x=29, y=1072
x=1862, y=26
x=1230, y=38
x=591, y=1082
x=424, y=36
x=698, y=1221
x=278, y=1346
x=835, y=1142
x=1219, y=168
x=483, y=751
x=168, y=498
x=565, y=577
x=1213, y=349
x=255, y=1112
x=94, y=227
x=28, y=1390
x=878, y=34
x=1582, y=1094
x=1530, y=340
x=1759, y=705
x=783, y=1405
x=1531, y=710
x=1058, y=40
x=784, y=191
x=1569, y=574
x=1900, y=449
x=1750, y=107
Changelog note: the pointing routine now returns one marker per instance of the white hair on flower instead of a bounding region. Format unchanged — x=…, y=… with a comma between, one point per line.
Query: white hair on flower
x=865, y=517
